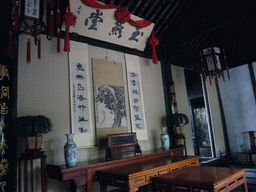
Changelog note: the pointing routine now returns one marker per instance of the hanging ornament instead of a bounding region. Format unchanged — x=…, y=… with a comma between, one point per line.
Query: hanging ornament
x=58, y=40
x=122, y=15
x=58, y=26
x=28, y=50
x=10, y=44
x=153, y=42
x=212, y=64
x=51, y=32
x=58, y=15
x=51, y=25
x=16, y=17
x=39, y=47
x=226, y=64
x=69, y=19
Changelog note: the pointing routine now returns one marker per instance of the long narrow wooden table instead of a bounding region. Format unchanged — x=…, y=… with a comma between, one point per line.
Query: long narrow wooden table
x=213, y=179
x=85, y=173
x=129, y=178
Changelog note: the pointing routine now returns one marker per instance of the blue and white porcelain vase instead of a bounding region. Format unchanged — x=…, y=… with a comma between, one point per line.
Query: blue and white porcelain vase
x=70, y=151
x=165, y=140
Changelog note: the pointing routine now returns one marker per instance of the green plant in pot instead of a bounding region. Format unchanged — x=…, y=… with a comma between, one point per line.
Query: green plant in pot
x=179, y=119
x=31, y=128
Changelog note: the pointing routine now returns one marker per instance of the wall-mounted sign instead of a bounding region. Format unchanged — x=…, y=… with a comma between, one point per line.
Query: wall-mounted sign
x=32, y=9
x=101, y=24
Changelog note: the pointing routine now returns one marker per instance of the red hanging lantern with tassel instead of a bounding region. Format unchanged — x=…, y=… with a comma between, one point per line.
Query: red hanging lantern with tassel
x=39, y=47
x=58, y=40
x=69, y=19
x=28, y=50
x=51, y=31
x=153, y=42
x=16, y=19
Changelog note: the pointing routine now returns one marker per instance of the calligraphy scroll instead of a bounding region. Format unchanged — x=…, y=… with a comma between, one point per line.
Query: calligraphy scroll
x=135, y=101
x=136, y=97
x=81, y=105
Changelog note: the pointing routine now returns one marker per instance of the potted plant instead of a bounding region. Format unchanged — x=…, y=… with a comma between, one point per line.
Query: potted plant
x=179, y=119
x=173, y=121
x=31, y=128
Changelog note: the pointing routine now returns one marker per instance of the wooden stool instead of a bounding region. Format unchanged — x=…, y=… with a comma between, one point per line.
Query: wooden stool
x=32, y=155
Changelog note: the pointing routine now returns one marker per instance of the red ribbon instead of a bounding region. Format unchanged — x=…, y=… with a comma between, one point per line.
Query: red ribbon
x=95, y=4
x=122, y=14
x=153, y=42
x=28, y=50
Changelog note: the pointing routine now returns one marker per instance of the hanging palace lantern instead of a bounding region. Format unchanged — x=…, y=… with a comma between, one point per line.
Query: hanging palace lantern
x=213, y=62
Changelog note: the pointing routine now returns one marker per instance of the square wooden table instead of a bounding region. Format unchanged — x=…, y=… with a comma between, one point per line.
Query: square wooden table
x=216, y=179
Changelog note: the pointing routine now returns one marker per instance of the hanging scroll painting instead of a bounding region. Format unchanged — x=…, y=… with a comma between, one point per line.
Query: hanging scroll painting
x=101, y=24
x=81, y=106
x=109, y=98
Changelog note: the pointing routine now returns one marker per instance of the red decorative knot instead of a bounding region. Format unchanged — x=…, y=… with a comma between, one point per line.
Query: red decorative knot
x=69, y=18
x=153, y=41
x=122, y=14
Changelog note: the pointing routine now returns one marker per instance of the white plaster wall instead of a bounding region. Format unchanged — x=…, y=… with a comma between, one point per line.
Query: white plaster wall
x=182, y=102
x=215, y=116
x=239, y=105
x=154, y=103
x=43, y=88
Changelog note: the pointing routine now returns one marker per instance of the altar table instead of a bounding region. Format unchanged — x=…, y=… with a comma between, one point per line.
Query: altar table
x=85, y=173
x=215, y=179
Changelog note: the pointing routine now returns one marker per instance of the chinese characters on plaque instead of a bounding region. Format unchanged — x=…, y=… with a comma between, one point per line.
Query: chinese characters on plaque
x=80, y=108
x=32, y=8
x=101, y=24
x=135, y=101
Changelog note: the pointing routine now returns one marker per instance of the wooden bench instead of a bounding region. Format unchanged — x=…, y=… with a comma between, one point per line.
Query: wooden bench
x=122, y=144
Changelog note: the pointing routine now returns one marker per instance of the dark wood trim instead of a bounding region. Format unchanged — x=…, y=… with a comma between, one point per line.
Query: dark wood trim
x=253, y=81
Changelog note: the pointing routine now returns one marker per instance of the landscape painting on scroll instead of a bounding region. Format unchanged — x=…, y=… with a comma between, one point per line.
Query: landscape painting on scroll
x=110, y=106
